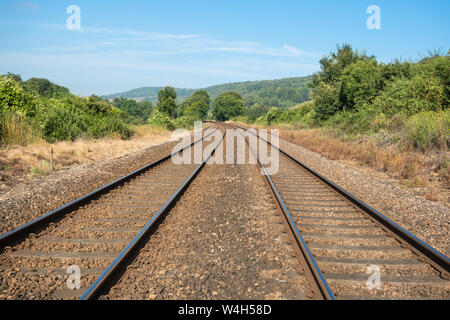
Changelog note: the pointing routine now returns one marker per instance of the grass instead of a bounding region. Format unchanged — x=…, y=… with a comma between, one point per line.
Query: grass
x=33, y=159
x=16, y=130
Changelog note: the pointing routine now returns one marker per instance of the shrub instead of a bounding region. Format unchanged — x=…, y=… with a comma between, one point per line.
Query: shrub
x=427, y=130
x=60, y=123
x=411, y=96
x=228, y=105
x=326, y=101
x=17, y=129
x=359, y=83
x=14, y=98
x=160, y=119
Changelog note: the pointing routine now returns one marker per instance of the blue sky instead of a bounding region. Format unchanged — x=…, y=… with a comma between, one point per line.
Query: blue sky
x=192, y=44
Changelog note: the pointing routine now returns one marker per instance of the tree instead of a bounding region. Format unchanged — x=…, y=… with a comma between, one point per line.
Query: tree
x=360, y=83
x=16, y=77
x=197, y=105
x=167, y=101
x=138, y=110
x=227, y=105
x=332, y=66
x=45, y=88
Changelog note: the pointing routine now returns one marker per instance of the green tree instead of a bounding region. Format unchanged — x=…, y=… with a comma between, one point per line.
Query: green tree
x=359, y=83
x=15, y=77
x=326, y=101
x=332, y=66
x=167, y=101
x=227, y=105
x=197, y=105
x=14, y=98
x=138, y=110
x=44, y=88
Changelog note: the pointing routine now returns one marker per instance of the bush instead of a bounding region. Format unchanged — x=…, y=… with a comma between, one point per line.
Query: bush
x=411, y=96
x=160, y=119
x=359, y=83
x=60, y=123
x=17, y=129
x=326, y=101
x=14, y=98
x=427, y=130
x=228, y=105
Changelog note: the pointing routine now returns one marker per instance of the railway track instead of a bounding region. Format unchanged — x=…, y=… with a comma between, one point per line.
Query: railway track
x=340, y=242
x=347, y=249
x=98, y=234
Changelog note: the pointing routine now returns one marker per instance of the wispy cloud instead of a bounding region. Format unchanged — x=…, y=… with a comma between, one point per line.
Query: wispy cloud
x=28, y=5
x=114, y=57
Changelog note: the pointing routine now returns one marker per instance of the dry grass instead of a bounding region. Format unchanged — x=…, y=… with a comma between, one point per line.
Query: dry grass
x=429, y=172
x=16, y=130
x=34, y=159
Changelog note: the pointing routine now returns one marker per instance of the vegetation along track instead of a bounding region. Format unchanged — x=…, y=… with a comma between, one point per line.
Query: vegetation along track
x=99, y=233
x=342, y=242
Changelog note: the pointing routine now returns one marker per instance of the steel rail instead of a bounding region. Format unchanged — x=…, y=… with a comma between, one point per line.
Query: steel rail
x=435, y=258
x=95, y=290
x=17, y=234
x=318, y=282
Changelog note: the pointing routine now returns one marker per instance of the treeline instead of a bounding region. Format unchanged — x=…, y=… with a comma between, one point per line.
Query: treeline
x=138, y=111
x=171, y=115
x=39, y=109
x=355, y=94
x=149, y=94
x=282, y=93
x=259, y=96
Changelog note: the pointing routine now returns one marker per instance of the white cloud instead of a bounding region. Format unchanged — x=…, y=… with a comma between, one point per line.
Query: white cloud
x=28, y=5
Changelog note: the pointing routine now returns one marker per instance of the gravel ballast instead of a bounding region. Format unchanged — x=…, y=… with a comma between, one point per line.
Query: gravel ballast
x=32, y=199
x=427, y=220
x=222, y=240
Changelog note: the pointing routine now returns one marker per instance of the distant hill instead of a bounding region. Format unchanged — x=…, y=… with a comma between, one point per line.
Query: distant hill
x=148, y=93
x=269, y=93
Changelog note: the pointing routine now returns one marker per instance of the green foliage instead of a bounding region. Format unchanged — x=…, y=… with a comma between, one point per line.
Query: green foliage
x=149, y=94
x=228, y=105
x=197, y=105
x=359, y=83
x=332, y=66
x=14, y=98
x=283, y=93
x=140, y=111
x=167, y=101
x=427, y=130
x=37, y=108
x=303, y=115
x=326, y=100
x=421, y=93
x=355, y=94
x=44, y=88
x=60, y=123
x=161, y=119
x=256, y=111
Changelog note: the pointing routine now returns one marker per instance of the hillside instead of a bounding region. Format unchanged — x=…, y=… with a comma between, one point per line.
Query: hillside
x=279, y=93
x=148, y=93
